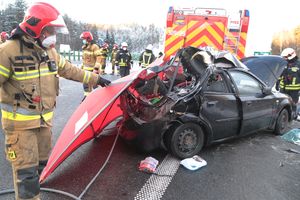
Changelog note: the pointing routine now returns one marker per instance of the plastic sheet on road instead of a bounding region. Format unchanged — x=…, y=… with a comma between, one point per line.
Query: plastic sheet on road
x=292, y=136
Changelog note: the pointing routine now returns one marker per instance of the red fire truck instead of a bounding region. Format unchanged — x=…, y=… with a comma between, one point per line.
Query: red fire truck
x=201, y=27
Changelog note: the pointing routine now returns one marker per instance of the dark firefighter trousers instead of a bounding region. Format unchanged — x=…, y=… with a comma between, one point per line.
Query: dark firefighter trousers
x=28, y=152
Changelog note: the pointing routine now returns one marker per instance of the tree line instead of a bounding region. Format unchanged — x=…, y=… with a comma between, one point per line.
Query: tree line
x=136, y=35
x=286, y=38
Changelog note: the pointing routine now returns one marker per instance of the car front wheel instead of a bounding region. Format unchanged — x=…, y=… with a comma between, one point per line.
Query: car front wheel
x=282, y=122
x=185, y=140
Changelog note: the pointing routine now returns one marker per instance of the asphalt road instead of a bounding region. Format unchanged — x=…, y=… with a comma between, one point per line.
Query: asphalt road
x=251, y=168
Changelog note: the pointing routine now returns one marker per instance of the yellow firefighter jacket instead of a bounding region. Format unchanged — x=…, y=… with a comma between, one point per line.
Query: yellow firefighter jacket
x=91, y=57
x=113, y=56
x=29, y=83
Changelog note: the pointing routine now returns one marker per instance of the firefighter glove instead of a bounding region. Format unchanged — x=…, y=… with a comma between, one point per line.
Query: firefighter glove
x=102, y=81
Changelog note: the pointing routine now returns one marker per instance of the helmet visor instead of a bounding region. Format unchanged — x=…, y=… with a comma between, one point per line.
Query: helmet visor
x=59, y=25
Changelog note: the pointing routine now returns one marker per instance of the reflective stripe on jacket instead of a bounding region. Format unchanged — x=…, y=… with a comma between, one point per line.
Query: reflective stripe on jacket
x=29, y=83
x=91, y=57
x=290, y=78
x=123, y=58
x=146, y=58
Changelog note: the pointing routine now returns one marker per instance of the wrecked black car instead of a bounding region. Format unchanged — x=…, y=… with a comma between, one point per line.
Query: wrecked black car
x=201, y=97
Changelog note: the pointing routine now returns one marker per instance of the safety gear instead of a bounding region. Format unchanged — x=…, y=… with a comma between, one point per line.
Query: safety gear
x=87, y=36
x=288, y=53
x=124, y=48
x=84, y=41
x=149, y=47
x=115, y=46
x=49, y=42
x=26, y=150
x=26, y=101
x=91, y=61
x=124, y=44
x=105, y=45
x=113, y=58
x=40, y=15
x=146, y=58
x=103, y=82
x=4, y=35
x=123, y=59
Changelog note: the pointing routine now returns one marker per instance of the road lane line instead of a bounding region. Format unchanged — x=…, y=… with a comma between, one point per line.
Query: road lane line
x=157, y=184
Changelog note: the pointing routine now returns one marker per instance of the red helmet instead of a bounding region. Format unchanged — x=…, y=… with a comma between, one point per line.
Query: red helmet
x=105, y=45
x=87, y=36
x=4, y=35
x=40, y=15
x=115, y=46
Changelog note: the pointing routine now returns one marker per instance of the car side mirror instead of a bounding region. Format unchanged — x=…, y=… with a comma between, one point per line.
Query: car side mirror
x=267, y=90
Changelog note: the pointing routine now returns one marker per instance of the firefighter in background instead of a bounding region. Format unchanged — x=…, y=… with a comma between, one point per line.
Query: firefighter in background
x=123, y=60
x=289, y=82
x=113, y=59
x=4, y=37
x=91, y=59
x=147, y=57
x=29, y=66
x=103, y=55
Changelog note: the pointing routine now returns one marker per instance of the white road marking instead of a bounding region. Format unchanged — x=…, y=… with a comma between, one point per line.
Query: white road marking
x=157, y=184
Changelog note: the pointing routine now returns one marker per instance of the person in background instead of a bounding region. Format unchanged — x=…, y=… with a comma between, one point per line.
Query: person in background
x=29, y=65
x=289, y=82
x=4, y=37
x=103, y=55
x=123, y=60
x=146, y=57
x=113, y=59
x=91, y=58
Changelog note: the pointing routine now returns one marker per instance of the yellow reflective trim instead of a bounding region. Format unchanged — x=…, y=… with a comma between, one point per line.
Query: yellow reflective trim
x=89, y=77
x=4, y=68
x=25, y=75
x=62, y=62
x=294, y=69
x=4, y=71
x=5, y=75
x=84, y=77
x=21, y=117
x=88, y=68
x=48, y=116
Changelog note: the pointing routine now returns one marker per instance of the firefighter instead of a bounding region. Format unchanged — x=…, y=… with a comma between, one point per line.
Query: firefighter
x=29, y=66
x=289, y=82
x=113, y=59
x=147, y=57
x=91, y=59
x=103, y=55
x=4, y=37
x=123, y=60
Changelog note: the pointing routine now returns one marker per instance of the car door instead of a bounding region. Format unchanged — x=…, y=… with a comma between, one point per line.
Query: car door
x=256, y=107
x=220, y=108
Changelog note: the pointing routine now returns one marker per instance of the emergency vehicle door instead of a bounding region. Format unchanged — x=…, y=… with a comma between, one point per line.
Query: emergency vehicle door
x=206, y=31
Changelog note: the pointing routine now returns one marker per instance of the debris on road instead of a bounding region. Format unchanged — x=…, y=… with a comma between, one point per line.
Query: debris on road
x=292, y=136
x=148, y=165
x=194, y=163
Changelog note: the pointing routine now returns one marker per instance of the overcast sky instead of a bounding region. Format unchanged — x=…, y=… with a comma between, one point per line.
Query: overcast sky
x=266, y=16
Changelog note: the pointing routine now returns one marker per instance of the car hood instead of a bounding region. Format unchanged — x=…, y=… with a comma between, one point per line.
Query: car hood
x=267, y=68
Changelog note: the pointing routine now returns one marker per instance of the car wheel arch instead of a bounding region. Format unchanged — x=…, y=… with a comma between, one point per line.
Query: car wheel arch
x=277, y=129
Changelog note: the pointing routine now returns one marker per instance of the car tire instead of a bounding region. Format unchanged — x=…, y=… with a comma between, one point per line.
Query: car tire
x=185, y=140
x=282, y=122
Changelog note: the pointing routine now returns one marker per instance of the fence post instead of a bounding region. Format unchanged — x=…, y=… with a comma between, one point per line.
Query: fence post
x=78, y=55
x=69, y=55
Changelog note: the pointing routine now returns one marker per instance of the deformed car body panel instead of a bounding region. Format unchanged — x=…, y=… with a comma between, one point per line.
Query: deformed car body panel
x=267, y=68
x=155, y=100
